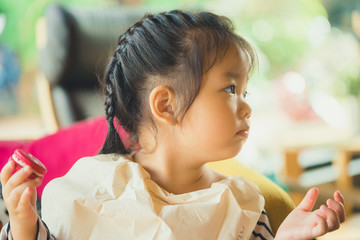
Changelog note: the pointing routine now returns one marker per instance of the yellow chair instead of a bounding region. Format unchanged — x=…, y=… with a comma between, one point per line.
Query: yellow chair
x=278, y=203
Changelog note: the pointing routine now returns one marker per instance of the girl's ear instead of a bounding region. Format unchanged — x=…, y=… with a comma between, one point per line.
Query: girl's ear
x=162, y=104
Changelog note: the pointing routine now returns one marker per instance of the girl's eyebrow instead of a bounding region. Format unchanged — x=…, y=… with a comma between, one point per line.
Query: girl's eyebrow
x=232, y=75
x=236, y=75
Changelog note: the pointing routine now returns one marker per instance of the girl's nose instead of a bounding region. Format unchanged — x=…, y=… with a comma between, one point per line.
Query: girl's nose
x=245, y=110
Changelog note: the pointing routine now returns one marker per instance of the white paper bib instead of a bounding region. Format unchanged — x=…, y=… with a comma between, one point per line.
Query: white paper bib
x=111, y=197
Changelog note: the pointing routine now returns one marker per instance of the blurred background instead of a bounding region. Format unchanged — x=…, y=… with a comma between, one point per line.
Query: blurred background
x=305, y=94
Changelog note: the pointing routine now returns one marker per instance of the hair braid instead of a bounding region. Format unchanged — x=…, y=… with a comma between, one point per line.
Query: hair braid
x=113, y=142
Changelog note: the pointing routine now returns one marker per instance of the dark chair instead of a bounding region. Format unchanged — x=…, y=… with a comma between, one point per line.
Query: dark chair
x=74, y=45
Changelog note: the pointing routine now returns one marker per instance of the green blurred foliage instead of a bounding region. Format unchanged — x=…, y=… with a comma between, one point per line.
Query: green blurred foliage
x=352, y=84
x=285, y=22
x=179, y=4
x=289, y=22
x=283, y=32
x=21, y=17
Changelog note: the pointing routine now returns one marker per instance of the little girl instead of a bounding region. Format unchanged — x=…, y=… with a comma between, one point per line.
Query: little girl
x=177, y=84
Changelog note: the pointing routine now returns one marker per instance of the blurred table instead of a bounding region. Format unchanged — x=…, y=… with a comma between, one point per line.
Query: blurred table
x=346, y=151
x=337, y=173
x=21, y=128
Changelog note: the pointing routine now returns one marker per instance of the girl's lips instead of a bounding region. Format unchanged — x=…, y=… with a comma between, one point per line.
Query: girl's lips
x=243, y=133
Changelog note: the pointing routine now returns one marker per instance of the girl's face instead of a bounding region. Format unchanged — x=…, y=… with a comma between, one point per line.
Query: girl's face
x=217, y=123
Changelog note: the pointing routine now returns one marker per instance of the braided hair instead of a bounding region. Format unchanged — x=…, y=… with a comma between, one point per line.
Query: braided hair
x=174, y=47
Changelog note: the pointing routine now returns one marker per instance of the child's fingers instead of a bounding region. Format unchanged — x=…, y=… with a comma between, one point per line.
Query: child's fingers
x=338, y=197
x=318, y=224
x=320, y=227
x=16, y=179
x=6, y=172
x=309, y=200
x=25, y=198
x=12, y=200
x=332, y=218
x=338, y=207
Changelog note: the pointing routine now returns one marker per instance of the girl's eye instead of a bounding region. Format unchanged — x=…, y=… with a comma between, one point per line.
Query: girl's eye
x=245, y=94
x=230, y=89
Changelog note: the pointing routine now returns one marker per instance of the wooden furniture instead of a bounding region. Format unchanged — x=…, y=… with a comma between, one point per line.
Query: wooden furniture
x=346, y=158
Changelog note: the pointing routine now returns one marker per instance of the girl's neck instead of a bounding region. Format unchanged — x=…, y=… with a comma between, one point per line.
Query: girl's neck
x=174, y=174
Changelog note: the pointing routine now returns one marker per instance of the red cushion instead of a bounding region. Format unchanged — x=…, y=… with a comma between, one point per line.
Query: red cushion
x=7, y=148
x=59, y=151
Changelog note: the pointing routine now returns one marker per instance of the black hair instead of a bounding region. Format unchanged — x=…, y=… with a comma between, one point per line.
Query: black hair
x=177, y=47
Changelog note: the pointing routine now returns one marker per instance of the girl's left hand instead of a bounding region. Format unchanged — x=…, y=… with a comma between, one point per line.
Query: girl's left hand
x=302, y=223
x=19, y=194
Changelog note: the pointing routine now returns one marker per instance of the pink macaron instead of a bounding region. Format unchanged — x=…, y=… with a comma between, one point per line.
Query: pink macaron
x=22, y=158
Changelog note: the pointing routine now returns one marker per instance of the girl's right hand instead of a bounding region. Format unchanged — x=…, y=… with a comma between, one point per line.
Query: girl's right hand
x=303, y=223
x=19, y=194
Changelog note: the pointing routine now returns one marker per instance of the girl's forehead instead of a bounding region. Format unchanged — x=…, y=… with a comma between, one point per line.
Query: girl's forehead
x=233, y=66
x=234, y=61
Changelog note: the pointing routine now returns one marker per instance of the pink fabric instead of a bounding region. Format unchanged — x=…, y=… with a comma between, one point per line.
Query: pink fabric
x=59, y=151
x=7, y=148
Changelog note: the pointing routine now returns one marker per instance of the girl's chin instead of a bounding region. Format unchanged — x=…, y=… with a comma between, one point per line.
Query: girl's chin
x=232, y=153
x=238, y=150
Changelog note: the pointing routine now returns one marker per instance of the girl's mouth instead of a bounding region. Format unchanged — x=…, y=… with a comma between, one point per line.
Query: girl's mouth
x=243, y=133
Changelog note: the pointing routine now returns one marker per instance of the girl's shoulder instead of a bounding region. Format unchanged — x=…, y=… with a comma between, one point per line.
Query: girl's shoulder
x=240, y=187
x=246, y=193
x=99, y=163
x=233, y=182
x=90, y=173
x=94, y=166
